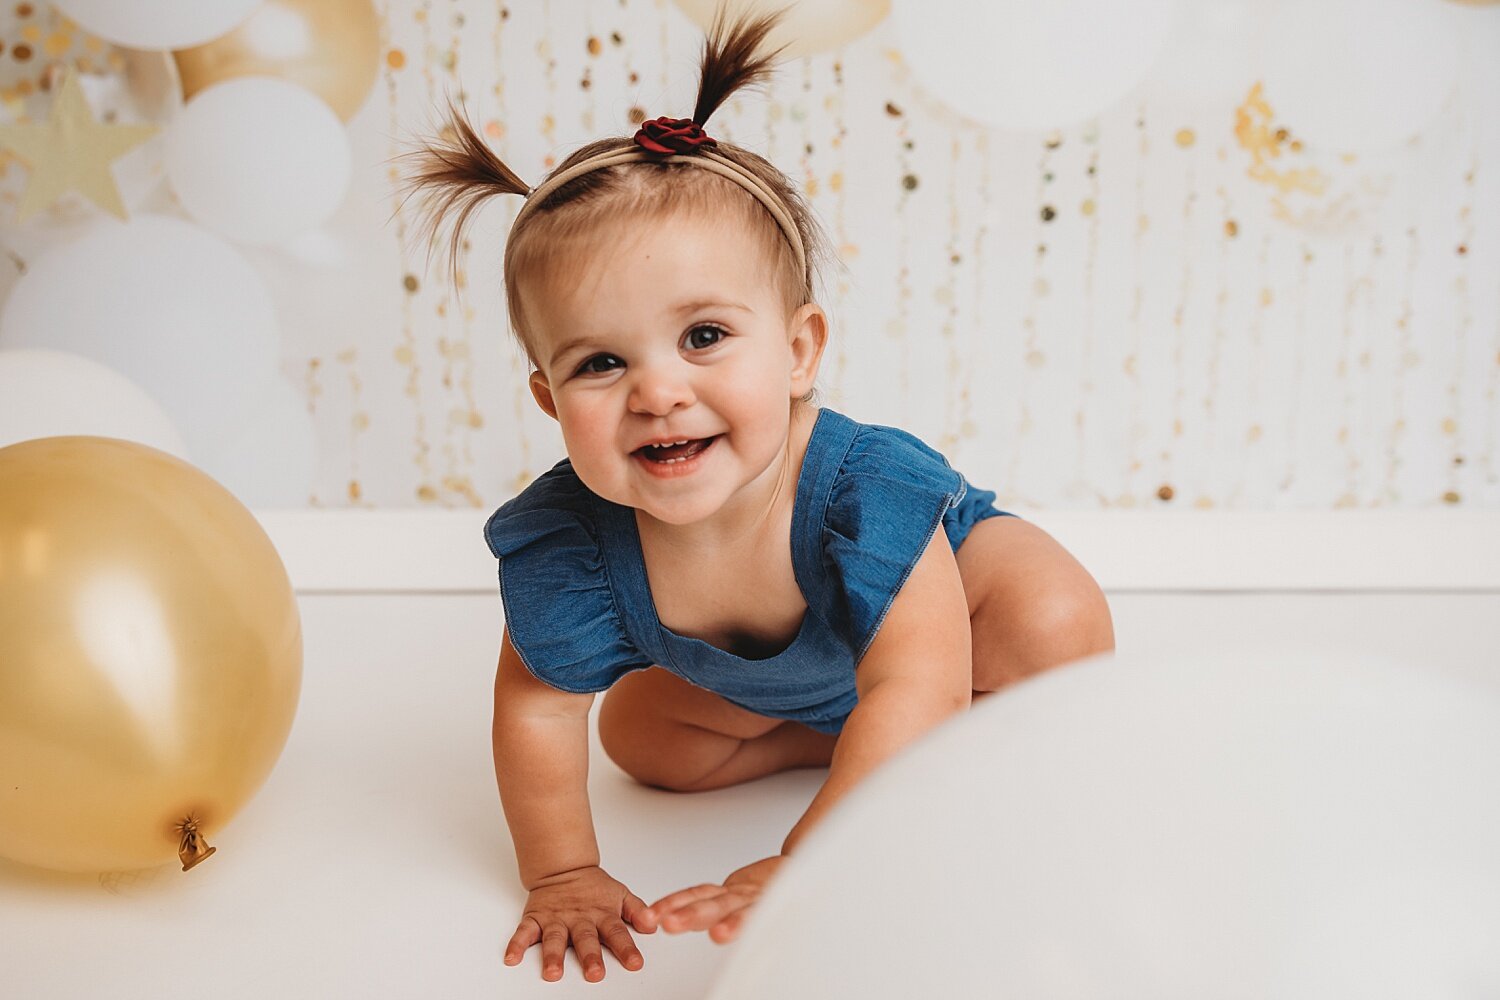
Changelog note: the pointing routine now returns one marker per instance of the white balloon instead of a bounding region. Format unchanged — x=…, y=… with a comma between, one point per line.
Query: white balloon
x=1357, y=75
x=270, y=463
x=53, y=393
x=258, y=159
x=319, y=282
x=1287, y=824
x=168, y=305
x=1212, y=57
x=157, y=24
x=1026, y=65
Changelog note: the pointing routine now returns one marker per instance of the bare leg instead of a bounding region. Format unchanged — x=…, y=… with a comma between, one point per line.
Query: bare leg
x=1032, y=606
x=665, y=732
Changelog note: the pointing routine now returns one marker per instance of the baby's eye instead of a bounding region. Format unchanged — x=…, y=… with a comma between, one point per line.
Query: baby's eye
x=700, y=337
x=600, y=364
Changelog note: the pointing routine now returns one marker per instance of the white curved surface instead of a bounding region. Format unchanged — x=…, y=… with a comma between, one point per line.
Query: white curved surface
x=375, y=862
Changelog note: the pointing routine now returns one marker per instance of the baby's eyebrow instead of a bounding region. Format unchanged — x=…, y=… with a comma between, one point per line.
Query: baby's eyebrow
x=572, y=345
x=693, y=305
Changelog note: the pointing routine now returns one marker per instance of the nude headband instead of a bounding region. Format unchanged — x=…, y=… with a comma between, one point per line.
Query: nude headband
x=685, y=139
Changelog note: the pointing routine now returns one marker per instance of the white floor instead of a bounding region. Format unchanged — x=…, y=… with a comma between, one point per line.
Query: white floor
x=375, y=862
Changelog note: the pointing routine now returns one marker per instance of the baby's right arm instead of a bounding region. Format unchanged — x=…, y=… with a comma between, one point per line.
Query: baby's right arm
x=541, y=765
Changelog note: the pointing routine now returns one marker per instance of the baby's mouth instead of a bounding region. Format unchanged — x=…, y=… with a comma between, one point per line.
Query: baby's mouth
x=677, y=452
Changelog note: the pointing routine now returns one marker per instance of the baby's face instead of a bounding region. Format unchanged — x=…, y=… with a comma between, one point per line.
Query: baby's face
x=663, y=332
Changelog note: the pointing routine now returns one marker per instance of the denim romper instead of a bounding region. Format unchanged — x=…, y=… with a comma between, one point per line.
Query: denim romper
x=869, y=498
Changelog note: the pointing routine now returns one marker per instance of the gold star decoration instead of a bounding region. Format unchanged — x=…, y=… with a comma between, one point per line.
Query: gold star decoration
x=72, y=152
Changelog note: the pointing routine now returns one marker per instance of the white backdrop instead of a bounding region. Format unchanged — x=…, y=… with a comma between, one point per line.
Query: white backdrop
x=1171, y=305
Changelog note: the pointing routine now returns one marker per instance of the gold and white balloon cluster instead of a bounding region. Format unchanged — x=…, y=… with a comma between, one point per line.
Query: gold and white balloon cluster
x=240, y=105
x=150, y=642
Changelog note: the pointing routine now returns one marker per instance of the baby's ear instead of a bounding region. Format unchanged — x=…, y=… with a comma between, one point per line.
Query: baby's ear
x=808, y=333
x=542, y=393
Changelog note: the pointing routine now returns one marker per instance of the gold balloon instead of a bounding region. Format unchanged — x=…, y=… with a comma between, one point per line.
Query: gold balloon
x=809, y=26
x=150, y=656
x=331, y=47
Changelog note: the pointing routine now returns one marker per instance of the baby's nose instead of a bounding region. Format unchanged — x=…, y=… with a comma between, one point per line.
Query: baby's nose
x=660, y=389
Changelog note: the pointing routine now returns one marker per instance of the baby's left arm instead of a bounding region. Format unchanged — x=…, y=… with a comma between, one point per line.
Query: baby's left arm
x=916, y=673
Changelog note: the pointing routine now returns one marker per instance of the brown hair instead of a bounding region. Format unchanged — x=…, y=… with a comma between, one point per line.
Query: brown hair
x=456, y=172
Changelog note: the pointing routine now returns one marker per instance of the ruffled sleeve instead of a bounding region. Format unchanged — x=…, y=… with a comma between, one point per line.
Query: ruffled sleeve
x=886, y=504
x=559, y=608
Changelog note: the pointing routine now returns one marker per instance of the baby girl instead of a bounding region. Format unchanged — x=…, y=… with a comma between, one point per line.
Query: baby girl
x=759, y=583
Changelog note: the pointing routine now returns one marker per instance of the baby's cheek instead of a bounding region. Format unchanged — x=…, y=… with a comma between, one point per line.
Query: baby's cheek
x=589, y=466
x=585, y=428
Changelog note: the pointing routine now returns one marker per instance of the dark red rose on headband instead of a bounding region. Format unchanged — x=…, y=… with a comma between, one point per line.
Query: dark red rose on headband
x=672, y=135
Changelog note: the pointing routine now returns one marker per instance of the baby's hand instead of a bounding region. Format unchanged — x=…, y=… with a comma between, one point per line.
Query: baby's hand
x=583, y=906
x=718, y=909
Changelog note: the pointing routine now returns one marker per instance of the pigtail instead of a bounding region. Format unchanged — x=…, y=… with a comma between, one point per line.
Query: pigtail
x=730, y=61
x=453, y=174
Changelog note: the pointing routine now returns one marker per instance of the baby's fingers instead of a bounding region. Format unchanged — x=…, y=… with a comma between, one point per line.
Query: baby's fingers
x=728, y=929
x=703, y=914
x=641, y=916
x=554, y=947
x=586, y=944
x=681, y=898
x=527, y=934
x=617, y=938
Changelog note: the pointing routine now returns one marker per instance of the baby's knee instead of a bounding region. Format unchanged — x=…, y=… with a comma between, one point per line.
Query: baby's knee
x=631, y=753
x=623, y=735
x=1075, y=621
x=1044, y=627
x=646, y=746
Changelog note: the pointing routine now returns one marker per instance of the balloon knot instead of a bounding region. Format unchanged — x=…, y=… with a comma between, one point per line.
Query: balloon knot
x=192, y=849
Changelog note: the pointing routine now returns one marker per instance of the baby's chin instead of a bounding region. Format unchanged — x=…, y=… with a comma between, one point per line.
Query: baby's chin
x=675, y=514
x=683, y=511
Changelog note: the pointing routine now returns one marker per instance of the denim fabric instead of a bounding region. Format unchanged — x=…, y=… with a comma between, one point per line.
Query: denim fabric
x=869, y=498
